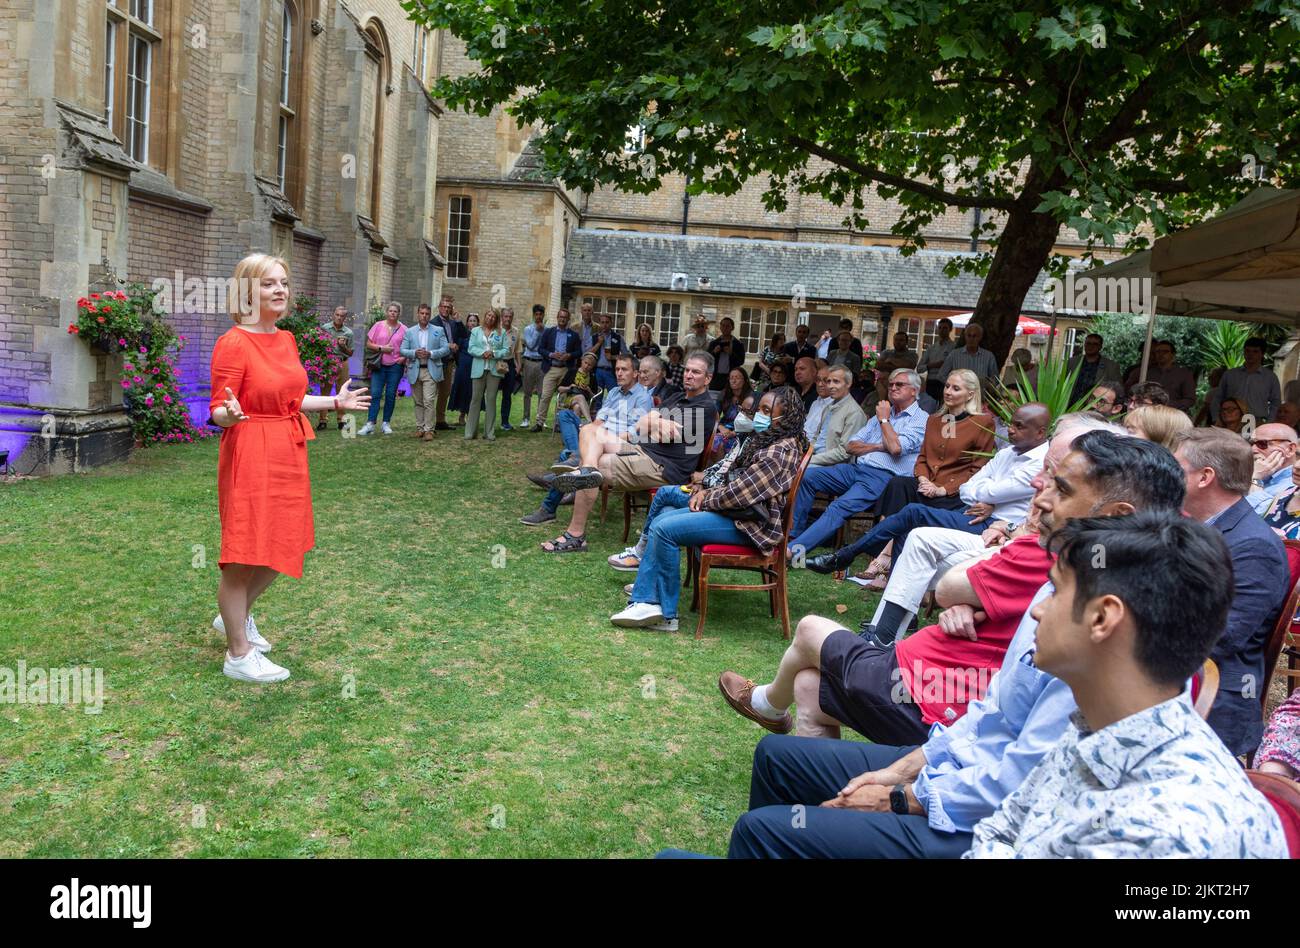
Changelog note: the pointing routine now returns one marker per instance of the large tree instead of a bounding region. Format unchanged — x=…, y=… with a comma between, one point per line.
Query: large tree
x=1114, y=119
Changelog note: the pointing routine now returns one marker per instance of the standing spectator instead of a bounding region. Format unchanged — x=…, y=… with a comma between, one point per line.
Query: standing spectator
x=697, y=340
x=489, y=347
x=728, y=353
x=676, y=365
x=1253, y=383
x=448, y=320
x=608, y=345
x=1177, y=380
x=1232, y=415
x=530, y=364
x=770, y=354
x=342, y=334
x=1202, y=417
x=385, y=337
x=464, y=384
x=586, y=327
x=1094, y=368
x=645, y=344
x=932, y=359
x=902, y=356
x=980, y=361
x=259, y=397
x=844, y=355
x=830, y=340
x=514, y=343
x=800, y=347
x=423, y=347
x=758, y=481
x=561, y=348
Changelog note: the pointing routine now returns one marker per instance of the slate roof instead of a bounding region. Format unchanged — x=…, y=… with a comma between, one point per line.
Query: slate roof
x=735, y=266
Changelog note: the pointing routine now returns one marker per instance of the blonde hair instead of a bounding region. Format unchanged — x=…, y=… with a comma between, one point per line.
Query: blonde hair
x=248, y=274
x=1162, y=424
x=391, y=304
x=974, y=404
x=494, y=315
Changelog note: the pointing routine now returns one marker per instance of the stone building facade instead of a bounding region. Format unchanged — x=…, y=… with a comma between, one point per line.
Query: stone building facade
x=148, y=140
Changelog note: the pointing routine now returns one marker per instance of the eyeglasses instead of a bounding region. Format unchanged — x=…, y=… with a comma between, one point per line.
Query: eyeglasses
x=1265, y=442
x=900, y=384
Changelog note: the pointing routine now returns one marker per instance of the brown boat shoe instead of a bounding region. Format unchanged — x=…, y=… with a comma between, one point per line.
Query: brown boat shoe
x=737, y=690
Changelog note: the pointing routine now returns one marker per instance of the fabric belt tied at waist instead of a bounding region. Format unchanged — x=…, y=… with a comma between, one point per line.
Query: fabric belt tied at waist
x=302, y=430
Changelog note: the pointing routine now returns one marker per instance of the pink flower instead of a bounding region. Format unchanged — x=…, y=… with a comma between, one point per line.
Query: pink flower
x=159, y=385
x=167, y=399
x=137, y=379
x=122, y=343
x=129, y=367
x=143, y=350
x=148, y=400
x=125, y=383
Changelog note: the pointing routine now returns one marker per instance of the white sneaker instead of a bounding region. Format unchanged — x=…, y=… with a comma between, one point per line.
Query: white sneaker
x=663, y=625
x=525, y=423
x=638, y=615
x=387, y=428
x=626, y=562
x=366, y=429
x=250, y=632
x=627, y=590
x=254, y=667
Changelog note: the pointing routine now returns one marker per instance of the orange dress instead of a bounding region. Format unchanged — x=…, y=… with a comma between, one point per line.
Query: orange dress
x=263, y=486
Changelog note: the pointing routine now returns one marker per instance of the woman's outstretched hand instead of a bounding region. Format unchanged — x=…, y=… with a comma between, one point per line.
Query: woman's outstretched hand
x=353, y=400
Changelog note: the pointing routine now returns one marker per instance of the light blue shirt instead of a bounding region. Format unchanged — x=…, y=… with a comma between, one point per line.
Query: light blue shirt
x=533, y=339
x=975, y=764
x=909, y=424
x=621, y=411
x=1278, y=484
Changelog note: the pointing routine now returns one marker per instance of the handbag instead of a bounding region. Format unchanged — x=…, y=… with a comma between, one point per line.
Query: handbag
x=376, y=360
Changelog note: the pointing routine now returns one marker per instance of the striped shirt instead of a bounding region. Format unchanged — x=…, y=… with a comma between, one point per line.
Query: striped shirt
x=983, y=363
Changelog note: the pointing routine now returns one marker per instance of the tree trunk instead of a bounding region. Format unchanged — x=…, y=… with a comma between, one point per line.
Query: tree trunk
x=1023, y=250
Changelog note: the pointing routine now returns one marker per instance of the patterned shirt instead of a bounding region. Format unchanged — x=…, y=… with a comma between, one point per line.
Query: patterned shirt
x=763, y=482
x=343, y=337
x=1156, y=784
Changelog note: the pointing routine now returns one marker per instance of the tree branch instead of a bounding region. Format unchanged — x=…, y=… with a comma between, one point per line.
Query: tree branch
x=897, y=181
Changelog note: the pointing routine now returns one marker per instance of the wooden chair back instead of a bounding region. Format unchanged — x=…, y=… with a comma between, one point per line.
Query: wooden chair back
x=1284, y=796
x=1205, y=685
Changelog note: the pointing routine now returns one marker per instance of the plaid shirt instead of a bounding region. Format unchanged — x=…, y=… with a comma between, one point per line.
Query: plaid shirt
x=764, y=481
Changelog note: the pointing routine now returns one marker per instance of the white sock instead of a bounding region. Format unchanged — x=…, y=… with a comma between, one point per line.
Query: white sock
x=640, y=546
x=758, y=701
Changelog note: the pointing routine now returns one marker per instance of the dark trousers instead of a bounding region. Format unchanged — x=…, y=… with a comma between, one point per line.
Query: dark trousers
x=793, y=775
x=902, y=490
x=898, y=526
x=508, y=384
x=855, y=488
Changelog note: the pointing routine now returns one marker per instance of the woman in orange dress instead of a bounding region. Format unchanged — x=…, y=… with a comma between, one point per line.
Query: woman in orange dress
x=259, y=394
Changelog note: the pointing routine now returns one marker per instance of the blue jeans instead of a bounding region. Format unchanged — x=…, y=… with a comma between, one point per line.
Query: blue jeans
x=855, y=486
x=385, y=379
x=792, y=772
x=567, y=424
x=665, y=498
x=898, y=526
x=659, y=579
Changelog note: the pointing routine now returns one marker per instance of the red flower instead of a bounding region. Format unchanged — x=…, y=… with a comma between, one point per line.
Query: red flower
x=73, y=330
x=101, y=320
x=106, y=308
x=94, y=296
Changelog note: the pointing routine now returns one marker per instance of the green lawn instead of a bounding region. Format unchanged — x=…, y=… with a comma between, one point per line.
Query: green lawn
x=496, y=710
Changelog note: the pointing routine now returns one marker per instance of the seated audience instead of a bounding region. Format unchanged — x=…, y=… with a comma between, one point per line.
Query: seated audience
x=653, y=376
x=620, y=413
x=886, y=445
x=841, y=419
x=1218, y=467
x=1279, y=751
x=1288, y=413
x=738, y=389
x=577, y=395
x=744, y=510
x=667, y=498
x=1146, y=393
x=902, y=356
x=676, y=366
x=1108, y=399
x=778, y=375
x=663, y=447
x=1158, y=423
x=1022, y=361
x=1283, y=512
x=816, y=409
x=1275, y=447
x=805, y=381
x=1137, y=774
x=769, y=354
x=1232, y=415
x=962, y=772
x=1000, y=489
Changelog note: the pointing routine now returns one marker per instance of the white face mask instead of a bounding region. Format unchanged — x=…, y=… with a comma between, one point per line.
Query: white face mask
x=744, y=424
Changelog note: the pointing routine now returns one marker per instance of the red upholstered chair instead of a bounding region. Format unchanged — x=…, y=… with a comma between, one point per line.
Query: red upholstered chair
x=1282, y=639
x=1284, y=795
x=1205, y=685
x=771, y=568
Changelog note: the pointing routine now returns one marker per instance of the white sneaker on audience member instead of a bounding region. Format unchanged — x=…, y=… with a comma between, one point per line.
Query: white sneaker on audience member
x=366, y=429
x=629, y=561
x=254, y=667
x=387, y=428
x=637, y=615
x=250, y=632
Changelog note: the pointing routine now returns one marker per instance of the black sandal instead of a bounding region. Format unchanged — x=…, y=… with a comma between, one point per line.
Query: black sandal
x=567, y=543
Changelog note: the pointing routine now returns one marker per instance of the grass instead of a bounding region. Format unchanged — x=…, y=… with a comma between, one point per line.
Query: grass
x=439, y=705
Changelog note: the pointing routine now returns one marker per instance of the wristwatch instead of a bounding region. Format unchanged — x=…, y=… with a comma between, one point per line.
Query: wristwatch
x=898, y=799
